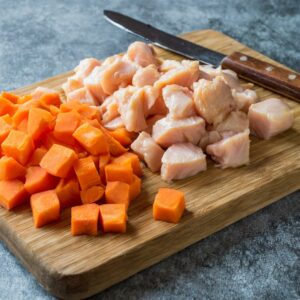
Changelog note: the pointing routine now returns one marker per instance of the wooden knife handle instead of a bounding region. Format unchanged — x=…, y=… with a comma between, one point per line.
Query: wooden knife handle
x=275, y=78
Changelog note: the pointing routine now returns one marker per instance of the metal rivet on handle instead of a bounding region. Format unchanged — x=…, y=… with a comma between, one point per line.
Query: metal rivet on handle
x=292, y=77
x=269, y=69
x=243, y=58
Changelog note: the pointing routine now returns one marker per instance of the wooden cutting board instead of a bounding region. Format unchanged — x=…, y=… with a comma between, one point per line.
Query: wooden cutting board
x=78, y=267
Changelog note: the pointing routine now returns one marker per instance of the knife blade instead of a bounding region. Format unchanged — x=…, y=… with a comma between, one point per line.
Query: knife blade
x=280, y=80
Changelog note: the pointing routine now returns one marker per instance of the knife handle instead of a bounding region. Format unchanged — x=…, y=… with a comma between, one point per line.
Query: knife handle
x=277, y=79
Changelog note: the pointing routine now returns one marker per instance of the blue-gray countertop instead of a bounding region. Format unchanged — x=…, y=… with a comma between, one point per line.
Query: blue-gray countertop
x=256, y=258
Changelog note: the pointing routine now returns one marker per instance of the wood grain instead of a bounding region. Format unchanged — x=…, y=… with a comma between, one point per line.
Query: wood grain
x=78, y=267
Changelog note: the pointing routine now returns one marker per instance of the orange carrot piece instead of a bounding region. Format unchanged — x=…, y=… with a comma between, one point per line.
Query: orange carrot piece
x=104, y=159
x=38, y=180
x=113, y=217
x=6, y=107
x=36, y=156
x=92, y=113
x=91, y=138
x=116, y=172
x=12, y=193
x=20, y=115
x=131, y=158
x=24, y=99
x=50, y=99
x=117, y=192
x=70, y=105
x=86, y=173
x=92, y=194
x=68, y=192
x=5, y=127
x=38, y=122
x=11, y=97
x=135, y=187
x=10, y=168
x=123, y=136
x=54, y=110
x=84, y=219
x=18, y=145
x=45, y=208
x=58, y=161
x=169, y=205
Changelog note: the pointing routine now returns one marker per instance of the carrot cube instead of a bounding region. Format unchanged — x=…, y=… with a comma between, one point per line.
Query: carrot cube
x=10, y=168
x=131, y=158
x=68, y=192
x=37, y=156
x=5, y=127
x=84, y=219
x=116, y=172
x=135, y=187
x=86, y=111
x=117, y=192
x=18, y=145
x=50, y=99
x=123, y=136
x=6, y=107
x=45, y=208
x=86, y=173
x=38, y=180
x=92, y=194
x=113, y=217
x=103, y=161
x=20, y=117
x=169, y=205
x=24, y=99
x=12, y=193
x=92, y=139
x=58, y=161
x=66, y=124
x=11, y=97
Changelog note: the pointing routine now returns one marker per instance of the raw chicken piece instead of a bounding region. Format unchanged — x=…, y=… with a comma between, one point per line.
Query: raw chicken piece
x=184, y=75
x=244, y=99
x=179, y=101
x=168, y=131
x=232, y=150
x=269, y=118
x=152, y=103
x=41, y=91
x=111, y=59
x=109, y=109
x=210, y=137
x=82, y=95
x=151, y=121
x=181, y=161
x=148, y=150
x=71, y=85
x=159, y=106
x=236, y=121
x=145, y=76
x=213, y=99
x=85, y=68
x=114, y=124
x=142, y=54
x=169, y=64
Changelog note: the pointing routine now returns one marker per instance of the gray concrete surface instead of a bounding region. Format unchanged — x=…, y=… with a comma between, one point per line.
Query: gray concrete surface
x=256, y=258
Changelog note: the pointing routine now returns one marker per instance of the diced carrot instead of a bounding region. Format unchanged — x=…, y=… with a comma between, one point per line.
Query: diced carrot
x=7, y=118
x=38, y=180
x=84, y=219
x=169, y=205
x=95, y=159
x=18, y=145
x=12, y=193
x=20, y=115
x=135, y=187
x=117, y=192
x=116, y=172
x=38, y=122
x=37, y=156
x=68, y=192
x=6, y=107
x=54, y=110
x=89, y=112
x=92, y=194
x=58, y=161
x=123, y=136
x=50, y=99
x=45, y=208
x=95, y=123
x=24, y=99
x=65, y=125
x=104, y=159
x=86, y=173
x=10, y=168
x=131, y=158
x=49, y=140
x=70, y=105
x=11, y=97
x=91, y=138
x=22, y=125
x=5, y=127
x=113, y=217
x=30, y=103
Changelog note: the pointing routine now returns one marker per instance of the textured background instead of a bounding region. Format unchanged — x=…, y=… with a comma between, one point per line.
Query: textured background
x=256, y=258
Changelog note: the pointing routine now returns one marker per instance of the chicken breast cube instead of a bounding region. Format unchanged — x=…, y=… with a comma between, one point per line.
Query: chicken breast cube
x=82, y=95
x=169, y=64
x=244, y=99
x=148, y=150
x=109, y=109
x=114, y=124
x=179, y=101
x=71, y=85
x=40, y=91
x=145, y=76
x=142, y=54
x=168, y=131
x=151, y=121
x=85, y=68
x=210, y=137
x=231, y=151
x=269, y=118
x=236, y=121
x=213, y=99
x=182, y=161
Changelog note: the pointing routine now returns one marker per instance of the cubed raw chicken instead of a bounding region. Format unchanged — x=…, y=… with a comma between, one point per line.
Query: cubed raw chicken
x=114, y=124
x=244, y=99
x=109, y=109
x=145, y=76
x=168, y=131
x=179, y=101
x=231, y=151
x=236, y=121
x=169, y=64
x=85, y=68
x=181, y=161
x=82, y=95
x=151, y=121
x=71, y=85
x=210, y=137
x=141, y=54
x=269, y=118
x=213, y=99
x=41, y=91
x=148, y=150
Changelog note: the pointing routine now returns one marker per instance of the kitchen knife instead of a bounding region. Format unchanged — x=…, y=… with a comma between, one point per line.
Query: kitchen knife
x=277, y=79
